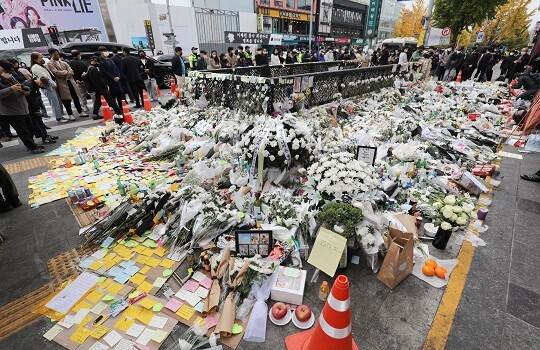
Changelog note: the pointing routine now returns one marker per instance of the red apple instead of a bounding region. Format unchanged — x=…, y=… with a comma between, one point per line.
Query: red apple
x=303, y=313
x=279, y=310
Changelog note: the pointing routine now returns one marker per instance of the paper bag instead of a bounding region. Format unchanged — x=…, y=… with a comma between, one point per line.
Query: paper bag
x=398, y=263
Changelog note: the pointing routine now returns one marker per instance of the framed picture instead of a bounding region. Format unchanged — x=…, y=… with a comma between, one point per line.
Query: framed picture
x=366, y=154
x=253, y=242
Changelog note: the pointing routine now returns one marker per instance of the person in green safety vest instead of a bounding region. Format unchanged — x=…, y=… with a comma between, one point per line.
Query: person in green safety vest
x=300, y=57
x=248, y=56
x=192, y=59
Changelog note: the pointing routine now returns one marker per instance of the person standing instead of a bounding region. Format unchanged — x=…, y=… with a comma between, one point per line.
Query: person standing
x=111, y=73
x=249, y=56
x=192, y=58
x=469, y=65
x=96, y=83
x=33, y=99
x=231, y=57
x=39, y=69
x=385, y=54
x=274, y=58
x=202, y=61
x=148, y=76
x=320, y=56
x=403, y=62
x=65, y=82
x=132, y=68
x=14, y=108
x=79, y=67
x=214, y=60
x=261, y=60
x=10, y=197
x=178, y=66
x=483, y=64
x=241, y=57
x=117, y=59
x=522, y=61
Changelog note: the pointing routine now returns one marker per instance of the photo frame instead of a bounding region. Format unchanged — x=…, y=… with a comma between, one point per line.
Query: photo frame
x=252, y=242
x=366, y=154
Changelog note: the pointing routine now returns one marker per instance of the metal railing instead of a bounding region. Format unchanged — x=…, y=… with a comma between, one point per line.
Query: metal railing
x=255, y=94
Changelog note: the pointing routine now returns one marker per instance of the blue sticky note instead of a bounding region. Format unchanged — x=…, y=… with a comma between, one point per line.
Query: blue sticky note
x=131, y=270
x=86, y=263
x=127, y=263
x=115, y=271
x=122, y=278
x=107, y=242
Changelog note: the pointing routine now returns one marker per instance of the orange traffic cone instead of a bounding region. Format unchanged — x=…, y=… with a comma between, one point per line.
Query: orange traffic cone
x=107, y=113
x=146, y=101
x=458, y=78
x=173, y=86
x=126, y=112
x=158, y=91
x=333, y=330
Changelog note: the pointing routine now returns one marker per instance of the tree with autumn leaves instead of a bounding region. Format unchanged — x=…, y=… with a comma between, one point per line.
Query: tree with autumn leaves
x=510, y=26
x=410, y=20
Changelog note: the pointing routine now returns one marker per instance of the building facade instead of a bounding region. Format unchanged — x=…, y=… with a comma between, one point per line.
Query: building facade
x=285, y=16
x=390, y=11
x=341, y=22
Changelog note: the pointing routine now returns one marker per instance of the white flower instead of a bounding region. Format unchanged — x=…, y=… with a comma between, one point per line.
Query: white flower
x=450, y=199
x=447, y=214
x=473, y=215
x=338, y=229
x=461, y=221
x=272, y=158
x=468, y=207
x=457, y=209
x=446, y=226
x=437, y=205
x=454, y=217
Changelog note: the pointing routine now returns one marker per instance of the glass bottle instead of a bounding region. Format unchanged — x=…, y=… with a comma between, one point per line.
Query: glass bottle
x=324, y=290
x=121, y=187
x=257, y=210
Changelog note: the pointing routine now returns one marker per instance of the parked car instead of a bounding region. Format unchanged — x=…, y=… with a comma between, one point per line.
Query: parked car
x=88, y=49
x=164, y=58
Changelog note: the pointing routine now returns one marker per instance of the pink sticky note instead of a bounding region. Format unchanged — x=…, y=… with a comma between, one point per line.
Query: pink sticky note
x=142, y=347
x=173, y=304
x=191, y=286
x=211, y=321
x=206, y=282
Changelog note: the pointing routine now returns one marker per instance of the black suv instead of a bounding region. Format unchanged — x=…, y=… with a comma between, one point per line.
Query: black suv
x=164, y=71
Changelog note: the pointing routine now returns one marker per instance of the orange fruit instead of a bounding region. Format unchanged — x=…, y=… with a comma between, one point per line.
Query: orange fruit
x=428, y=270
x=440, y=272
x=432, y=263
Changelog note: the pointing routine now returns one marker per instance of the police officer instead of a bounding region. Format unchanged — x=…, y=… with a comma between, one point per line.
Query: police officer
x=192, y=59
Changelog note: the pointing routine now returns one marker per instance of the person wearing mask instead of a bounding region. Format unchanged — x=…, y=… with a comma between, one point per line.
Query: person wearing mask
x=148, y=76
x=289, y=59
x=178, y=66
x=385, y=54
x=111, y=73
x=456, y=60
x=9, y=199
x=417, y=55
x=14, y=108
x=507, y=65
x=529, y=82
x=65, y=83
x=320, y=56
x=249, y=56
x=274, y=58
x=223, y=61
x=96, y=82
x=79, y=67
x=214, y=60
x=202, y=61
x=403, y=62
x=34, y=107
x=483, y=64
x=117, y=59
x=132, y=68
x=261, y=60
x=241, y=57
x=522, y=61
x=192, y=58
x=329, y=56
x=469, y=64
x=300, y=57
x=231, y=57
x=39, y=69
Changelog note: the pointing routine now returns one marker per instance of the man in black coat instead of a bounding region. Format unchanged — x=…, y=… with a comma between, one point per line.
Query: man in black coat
x=202, y=63
x=148, y=76
x=529, y=82
x=111, y=73
x=117, y=59
x=132, y=68
x=483, y=65
x=96, y=83
x=457, y=60
x=385, y=54
x=178, y=67
x=79, y=67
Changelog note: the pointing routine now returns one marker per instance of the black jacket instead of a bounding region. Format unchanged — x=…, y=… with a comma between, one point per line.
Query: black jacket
x=96, y=80
x=177, y=66
x=149, y=64
x=132, y=68
x=385, y=54
x=34, y=98
x=456, y=60
x=485, y=60
x=261, y=59
x=117, y=59
x=528, y=82
x=202, y=64
x=79, y=67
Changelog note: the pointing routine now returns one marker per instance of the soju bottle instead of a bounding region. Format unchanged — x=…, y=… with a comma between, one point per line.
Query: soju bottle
x=95, y=162
x=257, y=212
x=121, y=187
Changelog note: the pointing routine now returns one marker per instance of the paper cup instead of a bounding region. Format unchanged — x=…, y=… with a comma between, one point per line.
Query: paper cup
x=482, y=213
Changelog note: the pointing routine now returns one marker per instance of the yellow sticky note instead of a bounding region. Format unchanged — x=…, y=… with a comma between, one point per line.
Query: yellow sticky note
x=132, y=311
x=124, y=323
x=114, y=288
x=85, y=320
x=145, y=287
x=152, y=262
x=137, y=279
x=108, y=264
x=95, y=296
x=117, y=259
x=147, y=252
x=99, y=332
x=147, y=303
x=145, y=269
x=159, y=335
x=185, y=311
x=109, y=257
x=145, y=316
x=160, y=251
x=199, y=320
x=167, y=263
x=80, y=335
x=139, y=249
x=141, y=259
x=82, y=305
x=105, y=283
x=96, y=265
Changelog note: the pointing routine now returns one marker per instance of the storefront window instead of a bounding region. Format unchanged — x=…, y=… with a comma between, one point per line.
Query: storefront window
x=267, y=24
x=290, y=3
x=304, y=4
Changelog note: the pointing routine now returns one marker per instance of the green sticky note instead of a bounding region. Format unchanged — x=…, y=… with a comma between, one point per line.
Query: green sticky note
x=157, y=307
x=108, y=297
x=101, y=279
x=167, y=273
x=135, y=294
x=149, y=243
x=237, y=329
x=131, y=244
x=240, y=214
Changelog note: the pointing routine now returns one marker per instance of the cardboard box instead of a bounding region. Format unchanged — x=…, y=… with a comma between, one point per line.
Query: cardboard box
x=289, y=286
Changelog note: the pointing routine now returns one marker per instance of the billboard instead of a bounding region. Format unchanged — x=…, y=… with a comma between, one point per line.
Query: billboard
x=140, y=43
x=65, y=14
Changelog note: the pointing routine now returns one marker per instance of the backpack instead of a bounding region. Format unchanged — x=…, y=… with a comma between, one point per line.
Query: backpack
x=86, y=80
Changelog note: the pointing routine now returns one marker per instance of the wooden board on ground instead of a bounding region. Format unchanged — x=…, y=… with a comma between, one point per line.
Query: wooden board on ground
x=84, y=218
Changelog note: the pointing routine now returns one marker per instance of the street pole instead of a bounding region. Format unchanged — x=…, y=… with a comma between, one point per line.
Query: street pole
x=173, y=41
x=427, y=22
x=310, y=25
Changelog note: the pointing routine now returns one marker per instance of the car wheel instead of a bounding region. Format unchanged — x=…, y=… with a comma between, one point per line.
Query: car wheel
x=166, y=80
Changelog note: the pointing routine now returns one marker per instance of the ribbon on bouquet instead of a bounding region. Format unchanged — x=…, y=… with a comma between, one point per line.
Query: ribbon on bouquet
x=280, y=133
x=258, y=153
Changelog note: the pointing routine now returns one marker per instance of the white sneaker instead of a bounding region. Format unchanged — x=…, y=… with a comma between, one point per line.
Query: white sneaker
x=63, y=120
x=72, y=118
